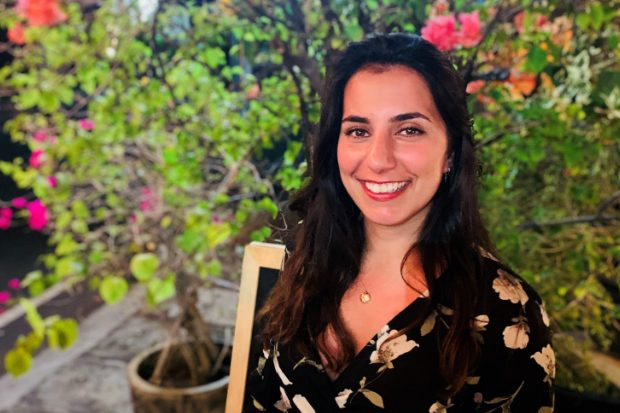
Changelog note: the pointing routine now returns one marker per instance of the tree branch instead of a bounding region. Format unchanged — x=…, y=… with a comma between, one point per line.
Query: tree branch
x=595, y=219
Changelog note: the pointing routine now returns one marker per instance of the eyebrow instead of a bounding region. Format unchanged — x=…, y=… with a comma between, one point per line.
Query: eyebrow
x=398, y=118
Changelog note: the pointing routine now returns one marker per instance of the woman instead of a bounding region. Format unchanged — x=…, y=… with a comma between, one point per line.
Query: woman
x=390, y=300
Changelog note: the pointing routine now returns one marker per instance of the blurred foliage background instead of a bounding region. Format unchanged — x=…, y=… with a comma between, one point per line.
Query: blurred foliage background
x=178, y=129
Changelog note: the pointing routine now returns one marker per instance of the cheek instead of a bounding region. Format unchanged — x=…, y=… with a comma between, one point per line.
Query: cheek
x=344, y=158
x=429, y=160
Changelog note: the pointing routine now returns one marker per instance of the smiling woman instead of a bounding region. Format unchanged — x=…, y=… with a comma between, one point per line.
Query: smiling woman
x=390, y=300
x=392, y=150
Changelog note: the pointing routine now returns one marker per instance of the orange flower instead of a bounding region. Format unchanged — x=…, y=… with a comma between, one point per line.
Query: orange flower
x=16, y=34
x=522, y=84
x=40, y=12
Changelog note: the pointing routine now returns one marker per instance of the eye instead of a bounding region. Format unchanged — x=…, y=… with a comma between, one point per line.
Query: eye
x=357, y=132
x=411, y=131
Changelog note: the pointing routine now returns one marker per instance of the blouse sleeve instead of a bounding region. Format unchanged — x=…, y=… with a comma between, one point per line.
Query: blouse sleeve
x=262, y=392
x=517, y=365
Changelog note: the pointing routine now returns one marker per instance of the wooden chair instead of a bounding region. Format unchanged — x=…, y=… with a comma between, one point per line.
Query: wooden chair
x=262, y=263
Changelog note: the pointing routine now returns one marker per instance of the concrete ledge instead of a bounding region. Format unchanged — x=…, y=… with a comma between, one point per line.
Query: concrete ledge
x=94, y=329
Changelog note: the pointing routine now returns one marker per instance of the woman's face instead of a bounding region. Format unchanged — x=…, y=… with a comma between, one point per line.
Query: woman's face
x=392, y=148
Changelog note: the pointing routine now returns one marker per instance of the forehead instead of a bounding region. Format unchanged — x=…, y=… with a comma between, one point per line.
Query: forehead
x=388, y=91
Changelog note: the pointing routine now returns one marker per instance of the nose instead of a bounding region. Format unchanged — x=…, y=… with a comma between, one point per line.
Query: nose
x=380, y=156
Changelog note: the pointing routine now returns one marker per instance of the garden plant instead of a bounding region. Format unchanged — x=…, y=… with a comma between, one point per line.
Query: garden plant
x=160, y=141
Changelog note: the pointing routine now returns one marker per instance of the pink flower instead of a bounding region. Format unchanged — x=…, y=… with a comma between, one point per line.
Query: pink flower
x=40, y=12
x=470, y=34
x=87, y=124
x=4, y=296
x=6, y=214
x=39, y=136
x=441, y=31
x=14, y=283
x=52, y=181
x=36, y=160
x=19, y=202
x=38, y=215
x=148, y=199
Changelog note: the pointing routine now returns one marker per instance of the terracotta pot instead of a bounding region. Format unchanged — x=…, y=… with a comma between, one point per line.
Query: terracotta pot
x=149, y=398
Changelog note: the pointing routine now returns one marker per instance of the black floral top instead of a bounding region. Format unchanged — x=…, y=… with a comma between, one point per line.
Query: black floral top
x=515, y=372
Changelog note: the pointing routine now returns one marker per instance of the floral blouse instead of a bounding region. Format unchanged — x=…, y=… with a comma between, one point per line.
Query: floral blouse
x=515, y=371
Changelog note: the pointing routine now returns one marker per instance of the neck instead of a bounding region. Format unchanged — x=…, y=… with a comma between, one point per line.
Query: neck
x=386, y=247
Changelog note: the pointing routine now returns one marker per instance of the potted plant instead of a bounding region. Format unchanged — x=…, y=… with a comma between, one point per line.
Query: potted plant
x=145, y=138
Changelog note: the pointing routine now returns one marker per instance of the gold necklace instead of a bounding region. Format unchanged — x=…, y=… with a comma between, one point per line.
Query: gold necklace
x=365, y=296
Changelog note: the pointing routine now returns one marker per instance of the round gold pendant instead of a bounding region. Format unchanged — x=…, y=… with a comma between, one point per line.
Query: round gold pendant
x=365, y=297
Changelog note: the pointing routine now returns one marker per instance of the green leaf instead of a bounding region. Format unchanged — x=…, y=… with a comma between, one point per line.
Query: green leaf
x=597, y=14
x=30, y=342
x=32, y=316
x=31, y=277
x=158, y=290
x=214, y=268
x=17, y=362
x=143, y=266
x=67, y=245
x=27, y=99
x=80, y=209
x=354, y=32
x=63, y=219
x=189, y=240
x=214, y=57
x=37, y=287
x=583, y=20
x=113, y=288
x=261, y=234
x=65, y=332
x=270, y=206
x=536, y=60
x=217, y=233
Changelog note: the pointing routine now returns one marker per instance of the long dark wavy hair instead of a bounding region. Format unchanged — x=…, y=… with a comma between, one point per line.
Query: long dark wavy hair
x=330, y=241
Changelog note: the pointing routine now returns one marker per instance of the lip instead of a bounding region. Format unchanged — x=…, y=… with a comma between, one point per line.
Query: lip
x=386, y=196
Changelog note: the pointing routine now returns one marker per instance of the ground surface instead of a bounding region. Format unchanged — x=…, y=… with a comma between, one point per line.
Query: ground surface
x=91, y=377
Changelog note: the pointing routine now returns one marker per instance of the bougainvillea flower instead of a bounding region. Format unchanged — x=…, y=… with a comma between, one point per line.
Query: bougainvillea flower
x=52, y=181
x=87, y=124
x=441, y=31
x=19, y=202
x=4, y=296
x=36, y=158
x=39, y=136
x=148, y=199
x=6, y=214
x=16, y=34
x=40, y=12
x=37, y=219
x=470, y=34
x=14, y=283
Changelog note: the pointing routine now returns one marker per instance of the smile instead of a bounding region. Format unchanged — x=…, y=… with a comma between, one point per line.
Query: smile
x=385, y=187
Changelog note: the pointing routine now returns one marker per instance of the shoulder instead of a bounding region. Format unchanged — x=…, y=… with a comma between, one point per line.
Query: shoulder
x=516, y=327
x=517, y=364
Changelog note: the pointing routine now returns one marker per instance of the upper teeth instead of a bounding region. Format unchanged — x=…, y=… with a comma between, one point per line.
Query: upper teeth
x=384, y=188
